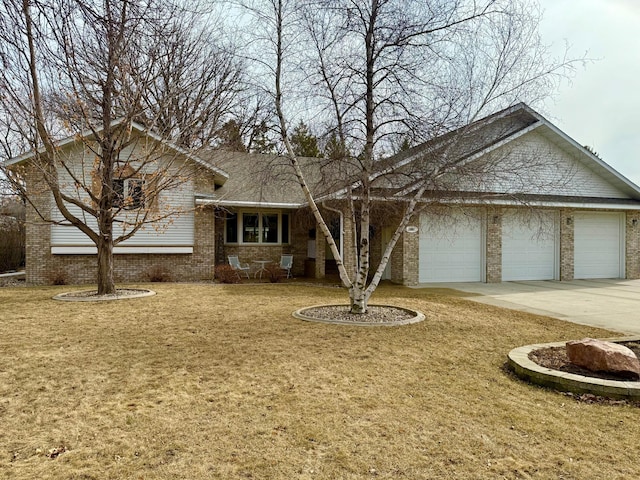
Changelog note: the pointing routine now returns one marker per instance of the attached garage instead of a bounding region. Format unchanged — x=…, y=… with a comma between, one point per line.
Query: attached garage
x=530, y=246
x=451, y=250
x=598, y=245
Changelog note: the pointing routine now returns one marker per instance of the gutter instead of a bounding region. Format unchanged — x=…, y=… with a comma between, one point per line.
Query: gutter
x=515, y=203
x=241, y=203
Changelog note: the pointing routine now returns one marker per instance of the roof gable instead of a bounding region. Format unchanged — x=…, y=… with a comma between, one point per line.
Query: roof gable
x=220, y=175
x=507, y=130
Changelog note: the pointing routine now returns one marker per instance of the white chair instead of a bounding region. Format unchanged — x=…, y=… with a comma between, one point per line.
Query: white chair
x=286, y=262
x=240, y=268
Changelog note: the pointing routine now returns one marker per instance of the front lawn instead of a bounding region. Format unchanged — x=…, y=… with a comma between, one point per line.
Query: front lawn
x=210, y=381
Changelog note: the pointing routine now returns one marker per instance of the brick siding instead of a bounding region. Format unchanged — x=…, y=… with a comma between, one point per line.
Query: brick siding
x=494, y=245
x=566, y=244
x=632, y=242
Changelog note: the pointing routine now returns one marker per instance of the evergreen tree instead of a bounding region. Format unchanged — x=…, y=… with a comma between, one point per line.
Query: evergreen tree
x=261, y=141
x=231, y=137
x=304, y=143
x=333, y=148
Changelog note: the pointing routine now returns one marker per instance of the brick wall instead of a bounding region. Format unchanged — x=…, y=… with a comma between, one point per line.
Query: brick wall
x=632, y=242
x=566, y=244
x=43, y=268
x=39, y=266
x=494, y=245
x=411, y=254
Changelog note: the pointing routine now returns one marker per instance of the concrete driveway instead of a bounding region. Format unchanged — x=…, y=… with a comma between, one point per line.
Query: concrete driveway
x=610, y=304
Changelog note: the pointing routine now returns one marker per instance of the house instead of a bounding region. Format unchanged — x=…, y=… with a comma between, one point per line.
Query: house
x=511, y=197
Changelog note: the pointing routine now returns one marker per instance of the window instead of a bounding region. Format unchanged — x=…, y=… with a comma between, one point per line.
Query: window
x=253, y=227
x=270, y=228
x=250, y=227
x=285, y=228
x=231, y=228
x=129, y=193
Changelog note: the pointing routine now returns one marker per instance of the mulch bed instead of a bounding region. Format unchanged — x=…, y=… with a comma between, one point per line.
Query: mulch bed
x=556, y=359
x=375, y=314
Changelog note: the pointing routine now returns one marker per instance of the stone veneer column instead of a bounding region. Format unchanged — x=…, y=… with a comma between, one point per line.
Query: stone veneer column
x=566, y=244
x=494, y=245
x=632, y=245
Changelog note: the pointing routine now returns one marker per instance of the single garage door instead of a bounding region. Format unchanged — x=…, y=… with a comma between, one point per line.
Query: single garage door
x=529, y=247
x=451, y=249
x=598, y=245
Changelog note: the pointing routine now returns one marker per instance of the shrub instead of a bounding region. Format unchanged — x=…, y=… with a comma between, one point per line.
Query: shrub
x=12, y=246
x=225, y=274
x=274, y=273
x=159, y=273
x=59, y=278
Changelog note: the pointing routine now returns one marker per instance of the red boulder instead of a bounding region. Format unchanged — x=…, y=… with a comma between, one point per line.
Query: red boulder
x=601, y=356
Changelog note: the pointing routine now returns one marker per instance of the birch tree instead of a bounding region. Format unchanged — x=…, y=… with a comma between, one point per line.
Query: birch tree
x=380, y=71
x=90, y=69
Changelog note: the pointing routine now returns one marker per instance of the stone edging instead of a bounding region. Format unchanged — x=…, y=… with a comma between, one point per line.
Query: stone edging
x=70, y=297
x=526, y=369
x=418, y=317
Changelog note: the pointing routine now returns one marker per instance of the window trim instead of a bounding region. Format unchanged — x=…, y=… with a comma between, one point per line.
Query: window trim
x=239, y=217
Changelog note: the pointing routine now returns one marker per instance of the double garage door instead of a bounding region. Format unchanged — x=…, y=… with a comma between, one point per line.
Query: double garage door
x=453, y=250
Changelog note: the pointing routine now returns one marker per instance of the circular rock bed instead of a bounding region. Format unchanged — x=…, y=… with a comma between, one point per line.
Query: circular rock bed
x=548, y=365
x=92, y=295
x=377, y=315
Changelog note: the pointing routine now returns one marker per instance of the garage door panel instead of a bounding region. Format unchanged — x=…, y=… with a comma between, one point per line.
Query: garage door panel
x=529, y=247
x=598, y=245
x=450, y=251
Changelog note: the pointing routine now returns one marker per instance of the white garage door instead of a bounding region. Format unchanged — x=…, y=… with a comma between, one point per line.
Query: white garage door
x=529, y=247
x=451, y=250
x=598, y=245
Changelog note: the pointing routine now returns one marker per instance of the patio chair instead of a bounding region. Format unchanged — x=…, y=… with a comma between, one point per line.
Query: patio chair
x=286, y=262
x=240, y=268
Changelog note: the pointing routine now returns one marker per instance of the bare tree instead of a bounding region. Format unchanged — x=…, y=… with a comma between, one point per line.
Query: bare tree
x=384, y=70
x=90, y=70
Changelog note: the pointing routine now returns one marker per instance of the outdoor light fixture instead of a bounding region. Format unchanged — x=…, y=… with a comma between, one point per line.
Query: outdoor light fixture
x=569, y=220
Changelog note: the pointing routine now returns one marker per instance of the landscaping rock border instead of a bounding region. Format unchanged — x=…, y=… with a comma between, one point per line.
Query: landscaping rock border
x=525, y=368
x=379, y=315
x=92, y=295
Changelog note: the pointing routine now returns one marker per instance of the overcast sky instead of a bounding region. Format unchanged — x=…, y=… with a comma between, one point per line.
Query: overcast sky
x=601, y=105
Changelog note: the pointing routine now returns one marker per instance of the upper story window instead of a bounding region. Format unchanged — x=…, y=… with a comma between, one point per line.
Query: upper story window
x=255, y=227
x=129, y=193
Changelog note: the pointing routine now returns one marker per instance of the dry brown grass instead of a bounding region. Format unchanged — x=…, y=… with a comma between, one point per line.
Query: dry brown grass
x=209, y=381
